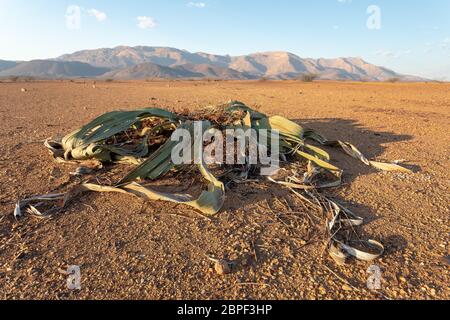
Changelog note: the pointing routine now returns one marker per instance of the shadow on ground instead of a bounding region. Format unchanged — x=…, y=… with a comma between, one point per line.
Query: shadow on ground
x=371, y=143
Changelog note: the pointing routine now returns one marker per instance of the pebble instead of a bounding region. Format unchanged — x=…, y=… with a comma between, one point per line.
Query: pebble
x=222, y=267
x=446, y=259
x=347, y=288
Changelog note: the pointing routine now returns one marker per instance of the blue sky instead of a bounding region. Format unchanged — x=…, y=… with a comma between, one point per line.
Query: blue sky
x=414, y=35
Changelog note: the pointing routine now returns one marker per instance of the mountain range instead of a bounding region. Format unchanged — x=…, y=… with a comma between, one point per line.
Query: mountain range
x=129, y=63
x=4, y=65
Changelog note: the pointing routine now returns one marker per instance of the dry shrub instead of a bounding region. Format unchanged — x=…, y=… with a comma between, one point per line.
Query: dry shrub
x=393, y=80
x=308, y=77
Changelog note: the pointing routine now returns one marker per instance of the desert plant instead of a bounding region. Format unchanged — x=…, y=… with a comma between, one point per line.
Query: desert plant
x=29, y=79
x=14, y=78
x=104, y=139
x=308, y=77
x=143, y=138
x=393, y=80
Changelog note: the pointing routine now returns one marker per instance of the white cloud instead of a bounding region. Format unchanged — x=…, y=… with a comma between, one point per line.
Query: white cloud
x=196, y=4
x=391, y=54
x=73, y=17
x=100, y=16
x=385, y=53
x=445, y=44
x=147, y=22
x=430, y=27
x=344, y=1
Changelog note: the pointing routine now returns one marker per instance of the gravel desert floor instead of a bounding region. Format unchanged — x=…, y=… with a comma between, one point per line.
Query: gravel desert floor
x=130, y=249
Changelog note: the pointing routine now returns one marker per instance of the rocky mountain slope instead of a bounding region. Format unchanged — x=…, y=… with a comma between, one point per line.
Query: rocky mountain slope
x=4, y=64
x=274, y=65
x=162, y=62
x=54, y=69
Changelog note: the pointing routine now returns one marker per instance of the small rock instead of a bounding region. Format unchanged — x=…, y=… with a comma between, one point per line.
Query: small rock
x=222, y=267
x=446, y=259
x=402, y=279
x=81, y=171
x=347, y=288
x=23, y=90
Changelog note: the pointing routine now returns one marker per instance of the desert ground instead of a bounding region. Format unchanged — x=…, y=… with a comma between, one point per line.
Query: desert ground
x=131, y=249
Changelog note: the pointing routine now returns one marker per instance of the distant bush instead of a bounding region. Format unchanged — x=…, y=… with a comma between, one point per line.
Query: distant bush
x=308, y=77
x=109, y=80
x=393, y=80
x=263, y=79
x=23, y=78
x=28, y=79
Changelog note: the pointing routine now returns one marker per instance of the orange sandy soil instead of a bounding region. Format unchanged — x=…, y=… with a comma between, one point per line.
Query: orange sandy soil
x=130, y=249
